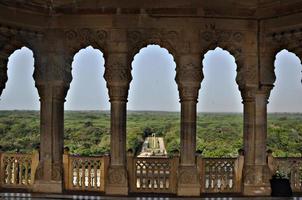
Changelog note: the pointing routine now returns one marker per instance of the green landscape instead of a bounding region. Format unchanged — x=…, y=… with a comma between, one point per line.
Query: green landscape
x=88, y=132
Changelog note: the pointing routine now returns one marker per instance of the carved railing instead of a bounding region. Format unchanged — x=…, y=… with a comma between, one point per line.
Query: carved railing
x=153, y=175
x=220, y=175
x=291, y=168
x=18, y=170
x=85, y=173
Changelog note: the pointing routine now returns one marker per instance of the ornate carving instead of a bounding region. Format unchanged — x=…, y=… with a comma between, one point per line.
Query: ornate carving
x=227, y=39
x=56, y=172
x=12, y=38
x=78, y=38
x=213, y=35
x=39, y=171
x=188, y=176
x=116, y=73
x=189, y=72
x=249, y=175
x=168, y=39
x=117, y=176
x=289, y=39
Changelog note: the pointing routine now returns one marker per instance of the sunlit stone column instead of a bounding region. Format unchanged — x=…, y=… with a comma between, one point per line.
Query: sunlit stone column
x=188, y=78
x=118, y=77
x=256, y=171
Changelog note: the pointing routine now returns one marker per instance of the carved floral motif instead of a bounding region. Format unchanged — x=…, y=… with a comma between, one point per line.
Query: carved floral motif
x=188, y=176
x=77, y=38
x=117, y=176
x=166, y=38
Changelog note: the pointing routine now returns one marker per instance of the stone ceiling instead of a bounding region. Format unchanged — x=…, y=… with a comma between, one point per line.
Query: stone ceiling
x=224, y=8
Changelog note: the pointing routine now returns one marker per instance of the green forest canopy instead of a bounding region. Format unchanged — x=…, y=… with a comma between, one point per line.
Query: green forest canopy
x=88, y=133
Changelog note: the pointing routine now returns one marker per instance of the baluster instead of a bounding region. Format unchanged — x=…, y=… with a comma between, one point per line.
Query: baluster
x=9, y=172
x=20, y=171
x=152, y=182
x=95, y=175
x=77, y=165
x=26, y=173
x=89, y=173
x=15, y=171
x=83, y=174
x=141, y=170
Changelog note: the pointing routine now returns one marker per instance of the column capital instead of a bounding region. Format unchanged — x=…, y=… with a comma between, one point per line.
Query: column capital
x=118, y=76
x=189, y=76
x=52, y=91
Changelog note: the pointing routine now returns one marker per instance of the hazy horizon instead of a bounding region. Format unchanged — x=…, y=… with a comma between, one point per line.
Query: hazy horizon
x=153, y=87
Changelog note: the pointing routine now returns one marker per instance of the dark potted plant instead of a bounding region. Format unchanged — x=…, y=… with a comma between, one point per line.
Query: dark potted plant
x=280, y=185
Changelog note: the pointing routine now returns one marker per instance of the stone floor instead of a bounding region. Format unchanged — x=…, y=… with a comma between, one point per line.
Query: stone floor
x=27, y=196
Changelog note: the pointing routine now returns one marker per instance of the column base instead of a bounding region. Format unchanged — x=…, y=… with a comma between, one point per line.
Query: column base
x=117, y=181
x=252, y=190
x=256, y=180
x=48, y=186
x=188, y=181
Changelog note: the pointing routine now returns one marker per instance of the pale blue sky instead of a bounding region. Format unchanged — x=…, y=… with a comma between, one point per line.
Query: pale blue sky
x=153, y=86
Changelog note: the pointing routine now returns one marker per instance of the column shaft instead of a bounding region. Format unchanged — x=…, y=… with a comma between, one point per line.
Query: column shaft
x=256, y=171
x=118, y=133
x=188, y=133
x=49, y=175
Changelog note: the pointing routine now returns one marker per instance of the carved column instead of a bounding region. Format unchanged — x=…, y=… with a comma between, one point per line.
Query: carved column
x=188, y=78
x=52, y=76
x=256, y=171
x=118, y=77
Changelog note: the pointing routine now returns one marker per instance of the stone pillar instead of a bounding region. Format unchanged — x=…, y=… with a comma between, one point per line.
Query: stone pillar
x=49, y=174
x=256, y=171
x=118, y=77
x=52, y=78
x=188, y=78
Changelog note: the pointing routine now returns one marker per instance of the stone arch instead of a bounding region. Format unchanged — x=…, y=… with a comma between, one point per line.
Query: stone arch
x=83, y=49
x=270, y=62
x=168, y=39
x=77, y=39
x=143, y=44
x=9, y=43
x=236, y=53
x=169, y=68
x=77, y=50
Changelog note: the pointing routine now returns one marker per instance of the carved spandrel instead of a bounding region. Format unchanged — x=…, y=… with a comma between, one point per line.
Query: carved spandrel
x=169, y=39
x=79, y=38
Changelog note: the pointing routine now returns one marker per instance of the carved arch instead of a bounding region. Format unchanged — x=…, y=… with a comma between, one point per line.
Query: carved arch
x=290, y=39
x=234, y=51
x=138, y=39
x=10, y=41
x=297, y=52
x=77, y=39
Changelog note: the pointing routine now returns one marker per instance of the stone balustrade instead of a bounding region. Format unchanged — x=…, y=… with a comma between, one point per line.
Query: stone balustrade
x=17, y=170
x=84, y=173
